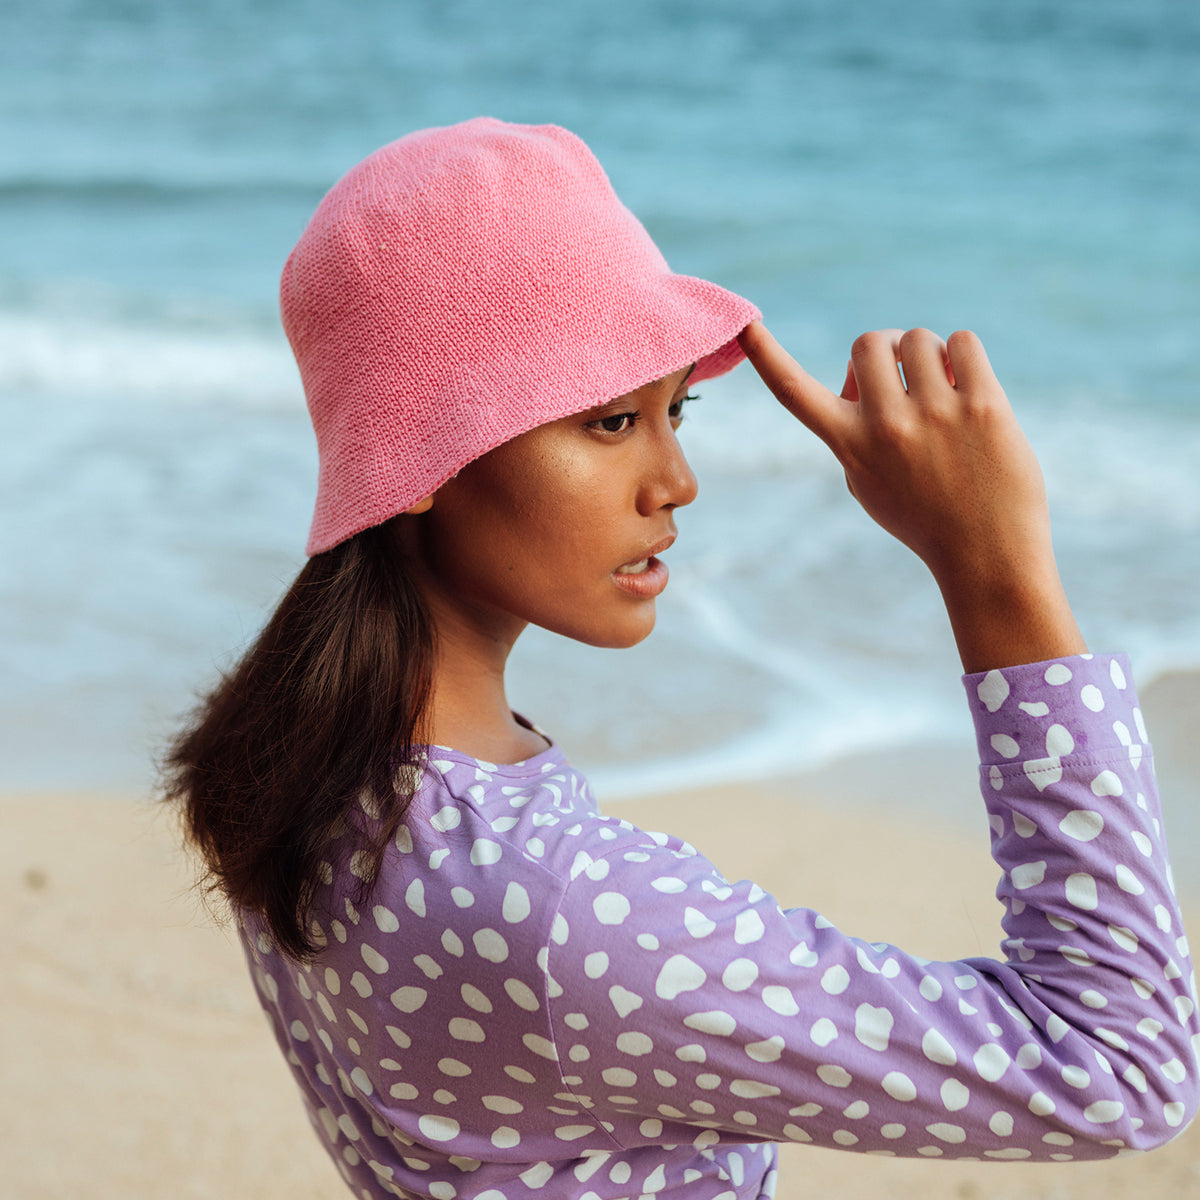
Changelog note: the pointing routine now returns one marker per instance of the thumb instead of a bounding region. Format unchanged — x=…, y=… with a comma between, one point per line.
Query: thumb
x=805, y=398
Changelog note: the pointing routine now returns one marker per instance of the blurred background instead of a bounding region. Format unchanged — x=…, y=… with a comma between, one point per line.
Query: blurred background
x=1026, y=169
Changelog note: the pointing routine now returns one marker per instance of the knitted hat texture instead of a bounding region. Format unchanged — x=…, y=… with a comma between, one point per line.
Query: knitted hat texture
x=463, y=285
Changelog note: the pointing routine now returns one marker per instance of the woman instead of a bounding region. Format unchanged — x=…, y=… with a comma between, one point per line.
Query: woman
x=484, y=987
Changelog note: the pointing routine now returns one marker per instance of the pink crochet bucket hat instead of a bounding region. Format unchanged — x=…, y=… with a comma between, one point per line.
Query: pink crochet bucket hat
x=463, y=285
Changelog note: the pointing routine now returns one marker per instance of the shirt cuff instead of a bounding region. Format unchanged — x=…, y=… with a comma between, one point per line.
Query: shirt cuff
x=1084, y=704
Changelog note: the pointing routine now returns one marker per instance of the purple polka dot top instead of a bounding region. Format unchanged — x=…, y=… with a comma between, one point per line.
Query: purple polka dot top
x=540, y=1001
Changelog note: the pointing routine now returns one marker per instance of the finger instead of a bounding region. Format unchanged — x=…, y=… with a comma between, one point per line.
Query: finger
x=968, y=360
x=875, y=355
x=922, y=355
x=804, y=397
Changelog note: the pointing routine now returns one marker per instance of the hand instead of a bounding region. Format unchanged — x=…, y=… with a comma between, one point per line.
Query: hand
x=937, y=458
x=941, y=465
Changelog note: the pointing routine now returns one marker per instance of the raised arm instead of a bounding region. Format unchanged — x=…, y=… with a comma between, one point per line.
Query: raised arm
x=711, y=1008
x=683, y=1001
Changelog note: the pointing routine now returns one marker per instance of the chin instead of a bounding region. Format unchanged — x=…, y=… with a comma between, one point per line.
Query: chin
x=625, y=643
x=620, y=636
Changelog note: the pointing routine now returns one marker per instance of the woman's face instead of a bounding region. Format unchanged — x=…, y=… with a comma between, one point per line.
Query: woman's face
x=562, y=527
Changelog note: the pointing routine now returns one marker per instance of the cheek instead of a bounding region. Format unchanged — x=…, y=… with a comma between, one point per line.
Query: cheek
x=515, y=552
x=533, y=530
x=537, y=514
x=551, y=483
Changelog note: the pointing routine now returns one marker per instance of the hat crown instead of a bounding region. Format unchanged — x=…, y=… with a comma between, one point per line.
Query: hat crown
x=462, y=285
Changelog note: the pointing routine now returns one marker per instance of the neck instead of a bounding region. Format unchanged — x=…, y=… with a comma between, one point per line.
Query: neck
x=468, y=710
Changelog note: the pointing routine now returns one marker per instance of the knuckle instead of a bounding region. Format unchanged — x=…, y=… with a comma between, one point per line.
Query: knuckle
x=869, y=342
x=917, y=336
x=861, y=345
x=892, y=430
x=982, y=407
x=917, y=343
x=944, y=418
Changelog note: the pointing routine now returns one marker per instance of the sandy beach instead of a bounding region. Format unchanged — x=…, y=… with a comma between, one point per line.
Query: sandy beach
x=137, y=1064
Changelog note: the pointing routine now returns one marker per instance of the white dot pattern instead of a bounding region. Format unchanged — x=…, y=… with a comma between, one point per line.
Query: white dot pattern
x=541, y=1001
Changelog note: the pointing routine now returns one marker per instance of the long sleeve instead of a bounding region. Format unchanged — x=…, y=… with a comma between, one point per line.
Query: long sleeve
x=690, y=1009
x=540, y=1000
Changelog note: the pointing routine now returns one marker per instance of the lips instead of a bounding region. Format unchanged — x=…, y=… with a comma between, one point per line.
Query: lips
x=638, y=566
x=645, y=577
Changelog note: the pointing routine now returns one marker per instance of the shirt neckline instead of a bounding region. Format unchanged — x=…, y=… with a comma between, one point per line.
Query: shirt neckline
x=533, y=765
x=536, y=764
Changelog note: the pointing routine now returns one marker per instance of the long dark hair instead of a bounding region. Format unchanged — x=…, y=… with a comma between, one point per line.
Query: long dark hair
x=329, y=700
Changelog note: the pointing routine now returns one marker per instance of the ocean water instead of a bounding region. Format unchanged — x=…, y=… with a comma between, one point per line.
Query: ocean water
x=1029, y=170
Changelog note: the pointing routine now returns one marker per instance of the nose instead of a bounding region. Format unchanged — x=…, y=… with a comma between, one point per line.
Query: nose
x=669, y=481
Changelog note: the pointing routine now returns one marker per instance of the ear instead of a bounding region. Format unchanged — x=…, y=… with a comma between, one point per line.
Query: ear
x=421, y=506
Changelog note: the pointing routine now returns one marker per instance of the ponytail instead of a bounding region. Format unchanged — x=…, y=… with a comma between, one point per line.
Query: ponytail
x=327, y=704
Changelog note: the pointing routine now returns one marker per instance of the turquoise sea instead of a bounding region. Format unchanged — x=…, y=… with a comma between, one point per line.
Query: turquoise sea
x=1030, y=170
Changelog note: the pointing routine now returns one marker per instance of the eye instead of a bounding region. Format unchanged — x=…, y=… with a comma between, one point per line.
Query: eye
x=676, y=410
x=616, y=422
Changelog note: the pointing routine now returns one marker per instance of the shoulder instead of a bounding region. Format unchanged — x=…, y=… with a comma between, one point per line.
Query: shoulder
x=540, y=812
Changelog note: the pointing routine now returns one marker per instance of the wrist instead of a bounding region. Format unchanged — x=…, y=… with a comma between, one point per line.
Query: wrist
x=1004, y=619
